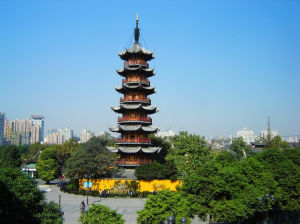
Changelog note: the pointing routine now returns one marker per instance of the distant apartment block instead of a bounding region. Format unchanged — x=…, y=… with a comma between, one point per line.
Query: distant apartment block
x=24, y=132
x=247, y=135
x=85, y=135
x=54, y=138
x=2, y=122
x=264, y=134
x=59, y=136
x=39, y=124
x=167, y=134
x=66, y=132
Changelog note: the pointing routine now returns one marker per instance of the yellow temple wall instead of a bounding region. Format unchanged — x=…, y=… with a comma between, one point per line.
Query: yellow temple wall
x=143, y=185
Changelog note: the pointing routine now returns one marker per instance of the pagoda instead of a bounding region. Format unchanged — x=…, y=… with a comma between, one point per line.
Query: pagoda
x=134, y=124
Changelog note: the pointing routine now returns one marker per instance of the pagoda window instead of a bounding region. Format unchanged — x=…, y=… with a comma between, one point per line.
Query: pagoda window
x=132, y=115
x=132, y=136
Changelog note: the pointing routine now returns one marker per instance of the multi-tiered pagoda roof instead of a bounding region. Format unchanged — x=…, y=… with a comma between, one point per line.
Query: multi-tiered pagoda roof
x=134, y=144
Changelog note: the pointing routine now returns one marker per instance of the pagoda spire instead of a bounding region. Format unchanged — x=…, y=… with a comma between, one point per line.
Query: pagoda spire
x=137, y=30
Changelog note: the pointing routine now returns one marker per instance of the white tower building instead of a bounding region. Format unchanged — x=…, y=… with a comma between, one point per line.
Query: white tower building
x=247, y=135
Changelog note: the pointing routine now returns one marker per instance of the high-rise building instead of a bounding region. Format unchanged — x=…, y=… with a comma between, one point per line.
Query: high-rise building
x=2, y=122
x=35, y=134
x=166, y=134
x=18, y=132
x=38, y=120
x=134, y=144
x=66, y=132
x=247, y=135
x=54, y=138
x=265, y=133
x=24, y=132
x=85, y=135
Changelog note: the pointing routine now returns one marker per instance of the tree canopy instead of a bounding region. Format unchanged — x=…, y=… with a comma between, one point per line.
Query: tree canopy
x=47, y=165
x=22, y=202
x=240, y=148
x=93, y=159
x=64, y=152
x=10, y=157
x=164, y=204
x=100, y=214
x=155, y=170
x=188, y=153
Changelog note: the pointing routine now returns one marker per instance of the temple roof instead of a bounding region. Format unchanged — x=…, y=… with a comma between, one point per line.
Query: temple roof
x=136, y=149
x=125, y=107
x=136, y=51
x=260, y=142
x=121, y=128
x=146, y=89
x=139, y=69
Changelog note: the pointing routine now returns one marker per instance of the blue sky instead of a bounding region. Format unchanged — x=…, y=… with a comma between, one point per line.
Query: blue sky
x=221, y=65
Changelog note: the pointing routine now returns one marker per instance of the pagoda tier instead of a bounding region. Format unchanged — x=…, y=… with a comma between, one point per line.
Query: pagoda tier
x=123, y=108
x=135, y=128
x=130, y=150
x=139, y=87
x=136, y=51
x=134, y=145
x=140, y=69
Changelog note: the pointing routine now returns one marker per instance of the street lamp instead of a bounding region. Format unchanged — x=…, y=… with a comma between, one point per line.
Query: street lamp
x=88, y=186
x=171, y=220
x=183, y=220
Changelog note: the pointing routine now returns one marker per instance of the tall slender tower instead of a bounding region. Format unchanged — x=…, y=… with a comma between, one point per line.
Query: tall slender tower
x=134, y=125
x=2, y=121
x=269, y=134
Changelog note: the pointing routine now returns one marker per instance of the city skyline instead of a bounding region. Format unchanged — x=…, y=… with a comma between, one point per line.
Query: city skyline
x=221, y=66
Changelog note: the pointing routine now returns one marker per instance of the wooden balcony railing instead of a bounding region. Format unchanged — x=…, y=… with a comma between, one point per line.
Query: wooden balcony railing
x=135, y=140
x=132, y=162
x=145, y=119
x=136, y=62
x=137, y=99
x=144, y=81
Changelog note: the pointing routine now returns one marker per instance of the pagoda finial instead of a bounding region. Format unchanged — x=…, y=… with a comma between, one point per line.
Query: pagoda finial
x=137, y=30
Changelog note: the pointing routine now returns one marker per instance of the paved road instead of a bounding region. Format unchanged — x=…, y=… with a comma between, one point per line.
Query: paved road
x=70, y=204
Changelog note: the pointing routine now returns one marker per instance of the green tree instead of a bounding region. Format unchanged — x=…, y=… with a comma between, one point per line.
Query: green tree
x=51, y=214
x=92, y=159
x=188, y=153
x=31, y=156
x=230, y=192
x=100, y=214
x=163, y=144
x=241, y=148
x=65, y=151
x=286, y=171
x=22, y=202
x=47, y=165
x=10, y=157
x=277, y=142
x=153, y=171
x=162, y=205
